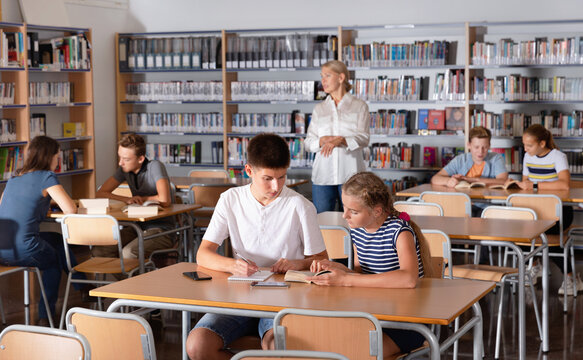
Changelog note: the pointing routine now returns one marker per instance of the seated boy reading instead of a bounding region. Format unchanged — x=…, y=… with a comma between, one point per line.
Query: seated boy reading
x=269, y=225
x=148, y=181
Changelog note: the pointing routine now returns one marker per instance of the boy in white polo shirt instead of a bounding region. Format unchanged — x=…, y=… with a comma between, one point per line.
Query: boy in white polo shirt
x=269, y=225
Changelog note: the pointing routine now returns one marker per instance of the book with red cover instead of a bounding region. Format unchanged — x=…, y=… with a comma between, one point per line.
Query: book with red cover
x=429, y=156
x=436, y=120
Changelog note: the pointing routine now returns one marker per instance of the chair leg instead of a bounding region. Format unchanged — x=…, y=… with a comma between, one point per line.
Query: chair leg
x=573, y=269
x=565, y=275
x=44, y=296
x=535, y=304
x=499, y=321
x=65, y=300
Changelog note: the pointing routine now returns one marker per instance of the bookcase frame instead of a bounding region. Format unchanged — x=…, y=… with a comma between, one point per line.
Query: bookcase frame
x=467, y=32
x=79, y=183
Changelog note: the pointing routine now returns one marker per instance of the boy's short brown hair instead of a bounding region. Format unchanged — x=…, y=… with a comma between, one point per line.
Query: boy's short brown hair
x=268, y=151
x=133, y=141
x=480, y=132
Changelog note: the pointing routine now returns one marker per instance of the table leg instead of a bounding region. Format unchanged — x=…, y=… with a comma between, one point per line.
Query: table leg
x=545, y=304
x=478, y=333
x=185, y=331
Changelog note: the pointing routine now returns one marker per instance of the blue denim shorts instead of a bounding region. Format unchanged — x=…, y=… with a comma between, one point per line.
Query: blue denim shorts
x=230, y=327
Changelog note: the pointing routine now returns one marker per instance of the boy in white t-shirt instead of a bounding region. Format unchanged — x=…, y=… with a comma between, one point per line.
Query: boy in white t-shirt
x=270, y=226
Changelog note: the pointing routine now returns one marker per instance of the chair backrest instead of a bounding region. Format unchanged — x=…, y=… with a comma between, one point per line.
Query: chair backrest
x=90, y=229
x=356, y=335
x=546, y=207
x=439, y=246
x=207, y=196
x=338, y=243
x=287, y=354
x=113, y=335
x=26, y=342
x=453, y=204
x=508, y=212
x=418, y=208
x=211, y=173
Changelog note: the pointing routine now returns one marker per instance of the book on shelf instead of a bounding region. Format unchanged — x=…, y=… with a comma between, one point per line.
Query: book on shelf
x=512, y=184
x=7, y=130
x=73, y=129
x=299, y=125
x=455, y=118
x=429, y=156
x=10, y=160
x=301, y=276
x=38, y=124
x=463, y=184
x=33, y=49
x=575, y=160
x=448, y=153
x=422, y=121
x=436, y=120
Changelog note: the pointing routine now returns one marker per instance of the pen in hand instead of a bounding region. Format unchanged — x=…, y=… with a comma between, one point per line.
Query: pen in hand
x=252, y=266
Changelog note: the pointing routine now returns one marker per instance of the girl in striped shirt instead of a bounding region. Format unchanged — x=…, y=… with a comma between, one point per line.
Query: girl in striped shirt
x=389, y=251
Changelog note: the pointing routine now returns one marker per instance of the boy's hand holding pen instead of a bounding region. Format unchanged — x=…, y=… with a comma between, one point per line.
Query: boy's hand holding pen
x=244, y=266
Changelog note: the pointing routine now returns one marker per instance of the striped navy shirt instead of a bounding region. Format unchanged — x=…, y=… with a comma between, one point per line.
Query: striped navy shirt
x=545, y=168
x=377, y=252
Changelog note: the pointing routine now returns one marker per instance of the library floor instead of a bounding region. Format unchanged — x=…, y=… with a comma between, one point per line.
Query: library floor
x=564, y=329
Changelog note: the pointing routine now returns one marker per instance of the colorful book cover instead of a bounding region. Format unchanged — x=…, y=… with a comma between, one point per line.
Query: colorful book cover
x=454, y=118
x=429, y=156
x=436, y=120
x=422, y=119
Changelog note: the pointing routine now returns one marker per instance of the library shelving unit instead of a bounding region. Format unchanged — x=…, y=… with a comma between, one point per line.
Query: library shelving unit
x=36, y=92
x=407, y=53
x=536, y=67
x=190, y=113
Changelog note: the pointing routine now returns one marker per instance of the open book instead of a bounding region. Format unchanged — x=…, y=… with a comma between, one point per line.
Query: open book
x=467, y=185
x=509, y=185
x=149, y=207
x=300, y=276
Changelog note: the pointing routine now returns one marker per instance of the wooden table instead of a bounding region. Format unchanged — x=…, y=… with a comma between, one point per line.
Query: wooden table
x=173, y=210
x=573, y=195
x=434, y=301
x=184, y=182
x=502, y=232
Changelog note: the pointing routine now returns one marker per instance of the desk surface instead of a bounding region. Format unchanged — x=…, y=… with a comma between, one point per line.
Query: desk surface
x=475, y=228
x=573, y=195
x=184, y=182
x=434, y=301
x=119, y=215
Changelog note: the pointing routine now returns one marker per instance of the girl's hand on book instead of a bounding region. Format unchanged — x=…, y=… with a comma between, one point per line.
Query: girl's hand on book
x=319, y=265
x=334, y=278
x=283, y=265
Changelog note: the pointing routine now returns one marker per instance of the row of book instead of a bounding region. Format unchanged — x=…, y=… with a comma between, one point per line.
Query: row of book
x=403, y=88
x=404, y=183
x=50, y=92
x=528, y=52
x=169, y=53
x=7, y=93
x=285, y=51
x=557, y=88
x=237, y=148
x=10, y=159
x=419, y=53
x=70, y=159
x=7, y=130
x=38, y=124
x=184, y=153
x=68, y=52
x=511, y=123
x=12, y=49
x=294, y=90
x=407, y=156
x=449, y=86
x=294, y=122
x=175, y=91
x=175, y=122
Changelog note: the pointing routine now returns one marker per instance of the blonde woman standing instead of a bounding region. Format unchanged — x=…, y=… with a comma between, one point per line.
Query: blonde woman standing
x=338, y=132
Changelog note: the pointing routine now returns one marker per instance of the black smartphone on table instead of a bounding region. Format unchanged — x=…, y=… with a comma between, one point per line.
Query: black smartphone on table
x=197, y=275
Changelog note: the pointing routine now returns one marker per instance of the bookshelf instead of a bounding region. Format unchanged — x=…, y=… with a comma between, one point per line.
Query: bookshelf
x=52, y=91
x=409, y=57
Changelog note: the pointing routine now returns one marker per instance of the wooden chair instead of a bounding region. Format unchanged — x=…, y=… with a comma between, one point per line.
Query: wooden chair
x=26, y=342
x=418, y=208
x=7, y=270
x=439, y=246
x=550, y=207
x=355, y=335
x=500, y=274
x=211, y=173
x=453, y=204
x=93, y=230
x=113, y=335
x=287, y=355
x=338, y=243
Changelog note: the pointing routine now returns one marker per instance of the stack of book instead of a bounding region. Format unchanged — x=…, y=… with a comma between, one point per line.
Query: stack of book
x=175, y=122
x=169, y=53
x=286, y=51
x=69, y=52
x=419, y=53
x=449, y=86
x=175, y=91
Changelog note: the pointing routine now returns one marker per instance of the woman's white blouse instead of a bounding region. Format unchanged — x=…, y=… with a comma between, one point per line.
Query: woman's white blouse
x=351, y=120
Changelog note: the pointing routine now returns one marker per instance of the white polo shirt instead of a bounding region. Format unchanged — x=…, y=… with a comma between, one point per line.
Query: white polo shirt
x=351, y=120
x=285, y=228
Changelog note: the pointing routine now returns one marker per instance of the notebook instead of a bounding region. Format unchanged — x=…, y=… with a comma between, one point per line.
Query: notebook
x=260, y=275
